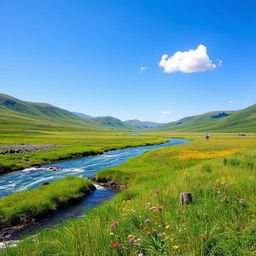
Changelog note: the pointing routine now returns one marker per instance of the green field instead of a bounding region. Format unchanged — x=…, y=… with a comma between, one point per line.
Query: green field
x=70, y=144
x=147, y=218
x=23, y=207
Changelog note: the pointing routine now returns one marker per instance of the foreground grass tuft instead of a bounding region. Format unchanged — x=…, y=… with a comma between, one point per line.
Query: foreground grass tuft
x=22, y=207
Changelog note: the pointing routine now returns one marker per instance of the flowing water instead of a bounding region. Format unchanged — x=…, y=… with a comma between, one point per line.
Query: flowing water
x=85, y=167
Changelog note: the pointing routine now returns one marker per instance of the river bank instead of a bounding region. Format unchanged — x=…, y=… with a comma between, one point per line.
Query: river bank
x=51, y=156
x=23, y=208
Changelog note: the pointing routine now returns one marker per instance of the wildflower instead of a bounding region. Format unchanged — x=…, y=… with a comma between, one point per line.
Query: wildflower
x=147, y=220
x=167, y=227
x=132, y=239
x=159, y=234
x=156, y=223
x=159, y=208
x=129, y=236
x=251, y=227
x=148, y=233
x=157, y=191
x=114, y=224
x=116, y=244
x=140, y=254
x=203, y=236
x=156, y=217
x=111, y=233
x=175, y=247
x=232, y=205
x=241, y=200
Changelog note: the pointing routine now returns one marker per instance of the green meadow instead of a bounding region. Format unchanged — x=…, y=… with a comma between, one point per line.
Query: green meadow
x=69, y=143
x=147, y=218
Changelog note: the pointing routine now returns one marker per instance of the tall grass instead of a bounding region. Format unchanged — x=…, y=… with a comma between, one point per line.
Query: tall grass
x=147, y=219
x=22, y=207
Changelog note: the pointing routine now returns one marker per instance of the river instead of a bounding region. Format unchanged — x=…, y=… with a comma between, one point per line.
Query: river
x=85, y=167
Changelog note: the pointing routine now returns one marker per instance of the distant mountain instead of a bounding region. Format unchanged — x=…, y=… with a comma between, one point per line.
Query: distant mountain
x=114, y=122
x=109, y=122
x=142, y=124
x=82, y=115
x=218, y=121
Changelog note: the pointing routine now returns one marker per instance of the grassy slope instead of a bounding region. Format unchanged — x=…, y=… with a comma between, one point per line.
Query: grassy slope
x=22, y=207
x=238, y=121
x=220, y=174
x=15, y=114
x=18, y=115
x=113, y=123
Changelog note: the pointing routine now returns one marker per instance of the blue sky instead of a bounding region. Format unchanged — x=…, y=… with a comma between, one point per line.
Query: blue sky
x=86, y=56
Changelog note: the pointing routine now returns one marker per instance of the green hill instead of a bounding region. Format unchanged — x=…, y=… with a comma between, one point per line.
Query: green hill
x=112, y=122
x=17, y=115
x=142, y=124
x=108, y=121
x=218, y=121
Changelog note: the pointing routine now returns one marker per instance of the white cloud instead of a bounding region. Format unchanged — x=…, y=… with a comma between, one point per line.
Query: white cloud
x=188, y=62
x=231, y=101
x=143, y=68
x=166, y=112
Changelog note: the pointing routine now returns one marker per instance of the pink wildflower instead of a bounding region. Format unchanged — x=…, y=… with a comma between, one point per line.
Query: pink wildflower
x=147, y=220
x=114, y=224
x=132, y=239
x=159, y=208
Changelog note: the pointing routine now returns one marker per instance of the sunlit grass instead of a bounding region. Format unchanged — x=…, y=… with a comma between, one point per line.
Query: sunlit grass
x=23, y=207
x=220, y=221
x=71, y=144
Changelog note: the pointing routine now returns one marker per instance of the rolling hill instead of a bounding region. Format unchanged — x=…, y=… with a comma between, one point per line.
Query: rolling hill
x=143, y=124
x=17, y=115
x=113, y=122
x=218, y=121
